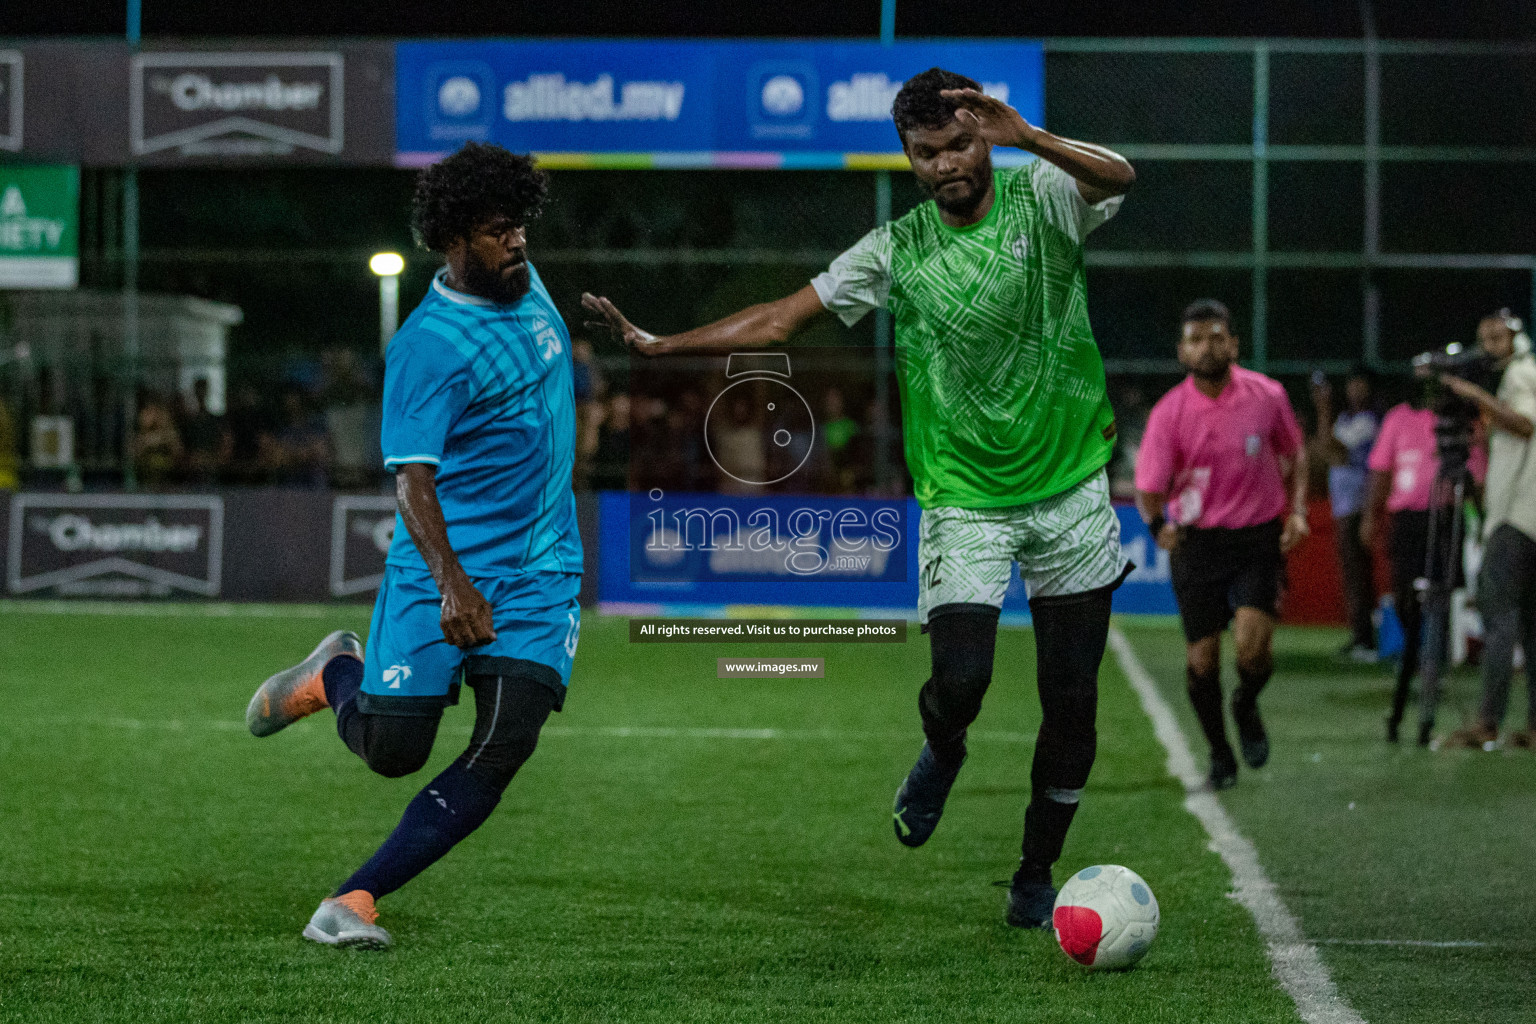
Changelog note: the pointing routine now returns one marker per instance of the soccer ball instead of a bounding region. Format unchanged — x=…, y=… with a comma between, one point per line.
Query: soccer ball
x=1105, y=917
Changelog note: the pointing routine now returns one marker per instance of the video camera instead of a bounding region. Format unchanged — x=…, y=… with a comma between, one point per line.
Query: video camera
x=1455, y=417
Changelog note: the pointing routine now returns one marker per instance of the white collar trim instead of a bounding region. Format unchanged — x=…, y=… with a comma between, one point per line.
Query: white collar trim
x=453, y=295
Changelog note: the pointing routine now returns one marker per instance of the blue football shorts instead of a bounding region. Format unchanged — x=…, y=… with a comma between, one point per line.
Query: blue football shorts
x=410, y=669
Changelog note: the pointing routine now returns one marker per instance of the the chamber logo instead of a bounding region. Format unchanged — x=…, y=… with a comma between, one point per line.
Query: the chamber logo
x=236, y=104
x=117, y=545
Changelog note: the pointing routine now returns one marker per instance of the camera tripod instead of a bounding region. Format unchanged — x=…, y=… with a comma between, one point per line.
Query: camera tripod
x=1442, y=563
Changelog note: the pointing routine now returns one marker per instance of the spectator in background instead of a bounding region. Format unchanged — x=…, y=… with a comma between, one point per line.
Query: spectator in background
x=737, y=443
x=838, y=427
x=587, y=382
x=156, y=446
x=1404, y=464
x=208, y=442
x=249, y=427
x=352, y=411
x=834, y=468
x=296, y=455
x=610, y=457
x=1506, y=591
x=1347, y=440
x=10, y=452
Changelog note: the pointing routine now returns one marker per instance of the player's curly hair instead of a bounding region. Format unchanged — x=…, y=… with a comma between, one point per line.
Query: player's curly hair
x=462, y=191
x=919, y=105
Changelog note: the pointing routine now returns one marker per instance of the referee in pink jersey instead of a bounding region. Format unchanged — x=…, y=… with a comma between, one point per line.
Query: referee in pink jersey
x=1212, y=474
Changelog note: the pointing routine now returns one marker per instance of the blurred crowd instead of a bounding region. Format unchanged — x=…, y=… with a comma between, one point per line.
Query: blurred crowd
x=321, y=435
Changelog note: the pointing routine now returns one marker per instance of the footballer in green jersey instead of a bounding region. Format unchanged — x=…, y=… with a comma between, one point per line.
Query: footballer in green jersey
x=1006, y=427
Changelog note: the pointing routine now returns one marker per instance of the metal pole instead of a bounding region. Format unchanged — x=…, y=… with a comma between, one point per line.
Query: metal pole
x=131, y=289
x=389, y=308
x=1370, y=291
x=1260, y=206
x=883, y=331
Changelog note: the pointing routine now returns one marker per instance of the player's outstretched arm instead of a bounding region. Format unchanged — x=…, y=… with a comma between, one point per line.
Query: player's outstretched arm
x=466, y=613
x=1100, y=173
x=767, y=323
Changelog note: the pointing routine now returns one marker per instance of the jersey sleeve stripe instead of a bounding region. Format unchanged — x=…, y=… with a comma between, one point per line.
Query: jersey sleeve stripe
x=397, y=460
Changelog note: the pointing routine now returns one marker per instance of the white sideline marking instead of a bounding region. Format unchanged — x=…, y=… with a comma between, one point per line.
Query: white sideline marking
x=657, y=732
x=1425, y=943
x=1293, y=960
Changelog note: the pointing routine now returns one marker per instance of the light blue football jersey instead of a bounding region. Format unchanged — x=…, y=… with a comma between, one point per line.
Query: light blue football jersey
x=484, y=393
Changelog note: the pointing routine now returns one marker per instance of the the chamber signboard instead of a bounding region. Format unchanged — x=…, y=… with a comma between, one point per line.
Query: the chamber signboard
x=12, y=98
x=236, y=104
x=362, y=528
x=39, y=226
x=115, y=545
x=688, y=103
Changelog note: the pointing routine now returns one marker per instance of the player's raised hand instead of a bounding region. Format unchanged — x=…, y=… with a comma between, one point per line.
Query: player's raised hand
x=618, y=326
x=466, y=616
x=990, y=117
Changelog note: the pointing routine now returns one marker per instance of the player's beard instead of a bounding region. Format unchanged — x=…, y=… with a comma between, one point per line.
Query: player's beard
x=492, y=283
x=965, y=204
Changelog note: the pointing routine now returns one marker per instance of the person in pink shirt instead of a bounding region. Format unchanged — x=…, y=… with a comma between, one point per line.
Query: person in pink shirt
x=1405, y=468
x=1221, y=459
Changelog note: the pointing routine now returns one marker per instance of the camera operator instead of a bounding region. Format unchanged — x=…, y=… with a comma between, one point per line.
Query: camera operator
x=1506, y=592
x=1405, y=484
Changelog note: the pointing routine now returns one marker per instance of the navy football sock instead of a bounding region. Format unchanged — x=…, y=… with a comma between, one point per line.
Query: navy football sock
x=450, y=807
x=342, y=677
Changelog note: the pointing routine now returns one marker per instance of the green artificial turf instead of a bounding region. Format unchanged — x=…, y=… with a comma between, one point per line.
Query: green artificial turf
x=1387, y=854
x=658, y=859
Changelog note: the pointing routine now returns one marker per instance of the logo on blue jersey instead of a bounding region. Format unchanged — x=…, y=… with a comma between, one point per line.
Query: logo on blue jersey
x=397, y=674
x=547, y=337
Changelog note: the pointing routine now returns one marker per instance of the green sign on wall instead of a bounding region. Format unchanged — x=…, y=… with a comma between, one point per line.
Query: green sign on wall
x=39, y=226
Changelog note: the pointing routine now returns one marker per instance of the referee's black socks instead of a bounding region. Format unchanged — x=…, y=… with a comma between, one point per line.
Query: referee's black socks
x=1205, y=696
x=1251, y=678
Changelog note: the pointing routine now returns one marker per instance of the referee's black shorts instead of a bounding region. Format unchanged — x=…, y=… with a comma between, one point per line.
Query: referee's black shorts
x=1218, y=570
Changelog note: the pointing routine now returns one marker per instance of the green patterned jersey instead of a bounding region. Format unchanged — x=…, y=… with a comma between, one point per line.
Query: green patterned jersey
x=1002, y=385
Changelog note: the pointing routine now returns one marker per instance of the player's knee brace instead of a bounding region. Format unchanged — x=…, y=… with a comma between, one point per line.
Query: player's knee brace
x=509, y=712
x=964, y=638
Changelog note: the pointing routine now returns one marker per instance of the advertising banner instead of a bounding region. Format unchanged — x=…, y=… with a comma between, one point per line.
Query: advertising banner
x=362, y=528
x=12, y=64
x=295, y=101
x=115, y=545
x=39, y=226
x=699, y=550
x=689, y=103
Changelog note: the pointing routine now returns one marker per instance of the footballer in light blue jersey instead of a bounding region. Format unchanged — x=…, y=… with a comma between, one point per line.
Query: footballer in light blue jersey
x=481, y=580
x=484, y=393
